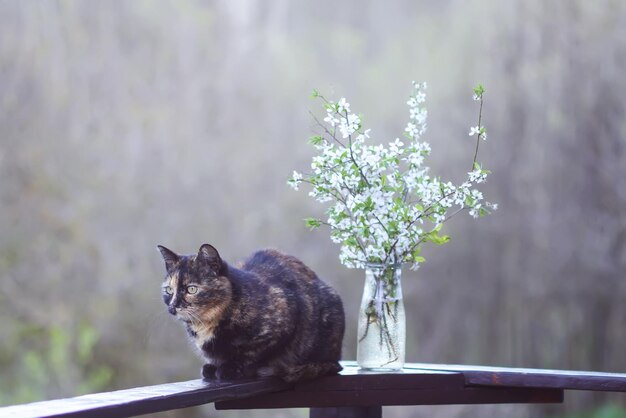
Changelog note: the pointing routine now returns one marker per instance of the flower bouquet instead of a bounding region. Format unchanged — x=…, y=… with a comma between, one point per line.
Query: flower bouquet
x=383, y=205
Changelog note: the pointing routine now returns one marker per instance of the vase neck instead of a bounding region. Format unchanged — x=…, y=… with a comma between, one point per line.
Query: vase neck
x=384, y=273
x=381, y=266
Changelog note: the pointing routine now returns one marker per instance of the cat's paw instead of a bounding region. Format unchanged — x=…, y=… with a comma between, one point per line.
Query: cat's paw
x=209, y=372
x=228, y=371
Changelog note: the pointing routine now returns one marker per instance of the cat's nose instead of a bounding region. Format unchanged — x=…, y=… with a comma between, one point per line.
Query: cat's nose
x=171, y=309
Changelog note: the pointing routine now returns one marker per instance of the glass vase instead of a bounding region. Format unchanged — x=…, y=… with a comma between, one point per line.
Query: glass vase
x=382, y=322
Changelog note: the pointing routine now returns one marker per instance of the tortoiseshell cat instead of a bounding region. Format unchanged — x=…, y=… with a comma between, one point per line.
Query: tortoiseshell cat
x=271, y=317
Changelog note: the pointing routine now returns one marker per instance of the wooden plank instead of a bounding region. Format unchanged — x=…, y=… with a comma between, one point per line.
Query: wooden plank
x=347, y=412
x=366, y=398
x=537, y=378
x=431, y=384
x=353, y=378
x=145, y=400
x=408, y=387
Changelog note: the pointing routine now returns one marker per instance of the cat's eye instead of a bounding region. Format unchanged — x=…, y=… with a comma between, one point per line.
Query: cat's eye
x=169, y=290
x=192, y=289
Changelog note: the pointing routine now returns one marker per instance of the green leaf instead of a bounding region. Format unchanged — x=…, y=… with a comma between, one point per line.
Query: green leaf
x=312, y=223
x=440, y=239
x=416, y=257
x=434, y=237
x=315, y=94
x=479, y=90
x=316, y=140
x=351, y=242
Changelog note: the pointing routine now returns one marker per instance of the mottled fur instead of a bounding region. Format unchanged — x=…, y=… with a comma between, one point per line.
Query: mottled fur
x=271, y=317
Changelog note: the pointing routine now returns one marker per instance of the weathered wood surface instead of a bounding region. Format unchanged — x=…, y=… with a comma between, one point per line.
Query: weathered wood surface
x=536, y=378
x=417, y=384
x=408, y=387
x=144, y=400
x=347, y=412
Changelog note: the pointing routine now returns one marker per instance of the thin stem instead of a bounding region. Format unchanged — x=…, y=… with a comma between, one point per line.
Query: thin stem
x=352, y=155
x=332, y=135
x=351, y=215
x=480, y=115
x=455, y=212
x=410, y=250
x=329, y=133
x=360, y=170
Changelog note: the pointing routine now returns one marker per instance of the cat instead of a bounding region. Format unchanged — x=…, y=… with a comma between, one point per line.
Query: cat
x=271, y=317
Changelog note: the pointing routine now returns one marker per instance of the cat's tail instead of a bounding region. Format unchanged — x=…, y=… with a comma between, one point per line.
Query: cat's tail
x=310, y=371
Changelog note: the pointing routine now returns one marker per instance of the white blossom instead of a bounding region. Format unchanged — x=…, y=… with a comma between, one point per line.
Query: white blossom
x=477, y=176
x=295, y=180
x=396, y=146
x=475, y=211
x=418, y=114
x=382, y=202
x=416, y=158
x=343, y=106
x=412, y=129
x=349, y=125
x=331, y=117
x=362, y=137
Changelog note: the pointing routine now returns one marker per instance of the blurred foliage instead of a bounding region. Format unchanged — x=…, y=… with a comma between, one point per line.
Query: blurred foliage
x=42, y=363
x=124, y=125
x=607, y=411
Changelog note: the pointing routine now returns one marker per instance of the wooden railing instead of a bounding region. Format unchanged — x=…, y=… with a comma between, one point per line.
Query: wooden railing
x=352, y=393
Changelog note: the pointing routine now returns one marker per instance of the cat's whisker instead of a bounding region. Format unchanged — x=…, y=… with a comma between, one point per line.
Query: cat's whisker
x=155, y=324
x=193, y=316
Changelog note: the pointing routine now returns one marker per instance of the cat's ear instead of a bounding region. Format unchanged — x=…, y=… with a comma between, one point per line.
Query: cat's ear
x=169, y=256
x=209, y=256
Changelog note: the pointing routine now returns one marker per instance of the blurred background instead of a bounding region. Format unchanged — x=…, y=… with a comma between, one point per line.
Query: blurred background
x=124, y=125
